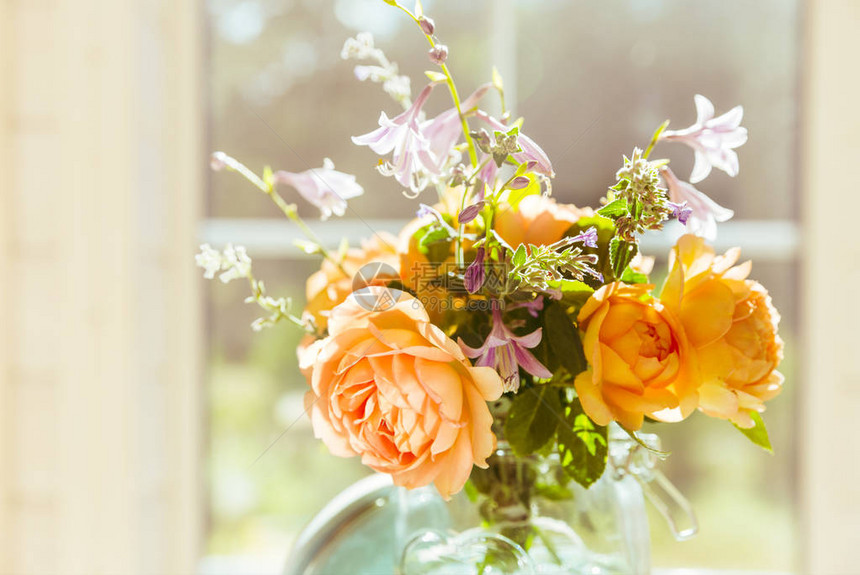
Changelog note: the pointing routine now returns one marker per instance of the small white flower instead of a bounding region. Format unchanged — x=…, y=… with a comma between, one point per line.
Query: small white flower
x=382, y=71
x=712, y=139
x=236, y=264
x=210, y=260
x=359, y=48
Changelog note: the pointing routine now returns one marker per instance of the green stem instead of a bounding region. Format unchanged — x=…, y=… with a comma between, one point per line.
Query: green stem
x=655, y=138
x=258, y=295
x=473, y=152
x=290, y=211
x=449, y=80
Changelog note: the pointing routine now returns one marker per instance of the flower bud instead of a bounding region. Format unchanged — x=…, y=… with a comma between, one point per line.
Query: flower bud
x=427, y=25
x=475, y=274
x=438, y=54
x=519, y=183
x=470, y=212
x=218, y=161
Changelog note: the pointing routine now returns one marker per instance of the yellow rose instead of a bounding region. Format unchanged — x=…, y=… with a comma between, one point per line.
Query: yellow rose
x=330, y=286
x=731, y=323
x=640, y=362
x=391, y=387
x=537, y=220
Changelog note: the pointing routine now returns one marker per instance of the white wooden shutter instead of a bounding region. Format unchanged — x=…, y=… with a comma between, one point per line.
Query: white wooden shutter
x=830, y=402
x=101, y=177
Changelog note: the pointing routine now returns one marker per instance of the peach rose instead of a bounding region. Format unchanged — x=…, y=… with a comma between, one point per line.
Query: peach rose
x=640, y=362
x=393, y=388
x=330, y=286
x=732, y=324
x=537, y=220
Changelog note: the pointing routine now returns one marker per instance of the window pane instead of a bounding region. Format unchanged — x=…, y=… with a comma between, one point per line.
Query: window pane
x=744, y=498
x=603, y=75
x=592, y=79
x=262, y=449
x=282, y=95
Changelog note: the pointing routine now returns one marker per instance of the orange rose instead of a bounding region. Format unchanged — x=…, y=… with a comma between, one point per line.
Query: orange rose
x=732, y=323
x=391, y=387
x=537, y=220
x=330, y=285
x=640, y=362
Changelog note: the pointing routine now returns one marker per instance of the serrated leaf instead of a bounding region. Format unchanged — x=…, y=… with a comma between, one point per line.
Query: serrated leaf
x=621, y=253
x=614, y=209
x=434, y=76
x=519, y=257
x=582, y=445
x=563, y=338
x=758, y=433
x=532, y=420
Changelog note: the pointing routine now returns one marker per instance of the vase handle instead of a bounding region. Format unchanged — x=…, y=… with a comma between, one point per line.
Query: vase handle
x=672, y=505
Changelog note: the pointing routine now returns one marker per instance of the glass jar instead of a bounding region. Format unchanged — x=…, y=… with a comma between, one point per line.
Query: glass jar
x=526, y=516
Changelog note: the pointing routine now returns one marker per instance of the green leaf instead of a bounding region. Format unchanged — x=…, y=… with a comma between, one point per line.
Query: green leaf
x=758, y=432
x=563, y=338
x=519, y=257
x=614, y=209
x=631, y=277
x=573, y=293
x=434, y=76
x=533, y=418
x=621, y=253
x=431, y=236
x=582, y=445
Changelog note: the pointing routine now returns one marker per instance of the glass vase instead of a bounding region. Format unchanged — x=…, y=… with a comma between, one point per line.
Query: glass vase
x=524, y=515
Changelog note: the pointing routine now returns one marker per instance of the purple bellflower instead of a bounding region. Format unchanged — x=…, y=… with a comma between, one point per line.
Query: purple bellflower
x=325, y=188
x=444, y=131
x=413, y=157
x=701, y=214
x=506, y=353
x=712, y=139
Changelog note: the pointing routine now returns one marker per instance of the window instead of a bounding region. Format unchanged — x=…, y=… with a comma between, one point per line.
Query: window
x=591, y=79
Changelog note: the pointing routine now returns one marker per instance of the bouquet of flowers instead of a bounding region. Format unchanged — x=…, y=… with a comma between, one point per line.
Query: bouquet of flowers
x=502, y=316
